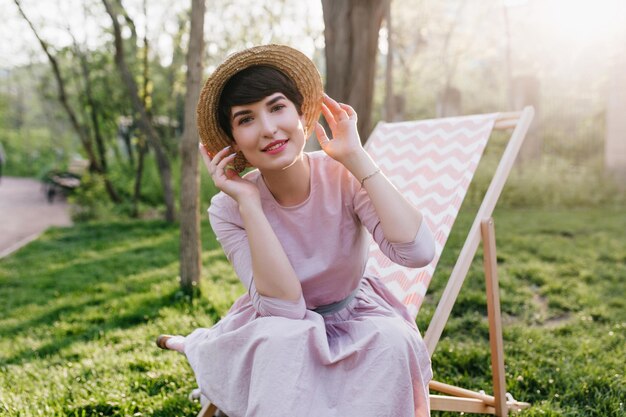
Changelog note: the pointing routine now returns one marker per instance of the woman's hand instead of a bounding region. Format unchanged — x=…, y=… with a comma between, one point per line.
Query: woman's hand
x=226, y=178
x=345, y=144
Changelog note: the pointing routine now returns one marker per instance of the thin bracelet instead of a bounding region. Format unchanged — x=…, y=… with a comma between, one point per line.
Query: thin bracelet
x=369, y=176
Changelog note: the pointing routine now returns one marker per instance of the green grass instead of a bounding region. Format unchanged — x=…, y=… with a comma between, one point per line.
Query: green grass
x=81, y=308
x=562, y=282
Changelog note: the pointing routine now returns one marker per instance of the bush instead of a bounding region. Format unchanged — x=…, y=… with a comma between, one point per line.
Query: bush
x=552, y=181
x=90, y=201
x=33, y=152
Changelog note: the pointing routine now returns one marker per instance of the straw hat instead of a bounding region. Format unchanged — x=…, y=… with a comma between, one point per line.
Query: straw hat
x=291, y=62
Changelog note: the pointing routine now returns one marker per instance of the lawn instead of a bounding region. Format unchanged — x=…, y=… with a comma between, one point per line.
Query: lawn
x=81, y=308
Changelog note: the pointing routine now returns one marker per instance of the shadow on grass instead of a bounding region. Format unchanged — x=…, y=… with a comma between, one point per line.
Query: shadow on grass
x=90, y=280
x=142, y=313
x=48, y=317
x=96, y=409
x=174, y=406
x=59, y=265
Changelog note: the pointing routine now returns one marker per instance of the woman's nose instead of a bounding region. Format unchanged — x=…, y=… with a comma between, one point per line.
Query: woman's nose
x=268, y=126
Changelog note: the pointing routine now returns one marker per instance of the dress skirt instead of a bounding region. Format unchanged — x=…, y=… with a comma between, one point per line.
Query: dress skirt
x=366, y=360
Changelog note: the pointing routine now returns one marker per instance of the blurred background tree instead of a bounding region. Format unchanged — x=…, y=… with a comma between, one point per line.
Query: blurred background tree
x=190, y=246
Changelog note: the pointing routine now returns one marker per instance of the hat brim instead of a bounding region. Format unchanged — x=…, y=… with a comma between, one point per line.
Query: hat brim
x=290, y=61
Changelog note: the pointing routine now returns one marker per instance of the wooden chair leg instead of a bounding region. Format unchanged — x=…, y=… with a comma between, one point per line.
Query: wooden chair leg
x=494, y=315
x=208, y=410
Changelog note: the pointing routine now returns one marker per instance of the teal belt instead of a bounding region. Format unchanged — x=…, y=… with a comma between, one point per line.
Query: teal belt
x=331, y=308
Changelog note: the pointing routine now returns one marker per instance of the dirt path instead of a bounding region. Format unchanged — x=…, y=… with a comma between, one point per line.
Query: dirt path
x=25, y=213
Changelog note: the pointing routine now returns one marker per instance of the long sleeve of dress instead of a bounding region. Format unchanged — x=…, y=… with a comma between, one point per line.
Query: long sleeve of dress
x=415, y=254
x=232, y=236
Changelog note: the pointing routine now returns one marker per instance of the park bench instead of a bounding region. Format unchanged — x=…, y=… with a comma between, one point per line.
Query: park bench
x=58, y=182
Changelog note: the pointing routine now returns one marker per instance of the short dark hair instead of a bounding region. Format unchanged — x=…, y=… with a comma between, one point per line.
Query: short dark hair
x=253, y=84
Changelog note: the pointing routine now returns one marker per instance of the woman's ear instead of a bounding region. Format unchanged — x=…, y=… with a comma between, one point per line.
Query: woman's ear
x=234, y=146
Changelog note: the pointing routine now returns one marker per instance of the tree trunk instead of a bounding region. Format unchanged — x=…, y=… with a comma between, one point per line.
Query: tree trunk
x=449, y=100
x=389, y=97
x=509, y=64
x=190, y=246
x=141, y=151
x=526, y=91
x=351, y=34
x=144, y=122
x=615, y=137
x=142, y=147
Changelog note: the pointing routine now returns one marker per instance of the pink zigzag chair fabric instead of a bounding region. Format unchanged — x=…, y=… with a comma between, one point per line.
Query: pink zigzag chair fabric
x=432, y=163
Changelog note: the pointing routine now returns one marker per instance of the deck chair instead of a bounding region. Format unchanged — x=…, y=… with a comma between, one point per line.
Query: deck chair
x=432, y=163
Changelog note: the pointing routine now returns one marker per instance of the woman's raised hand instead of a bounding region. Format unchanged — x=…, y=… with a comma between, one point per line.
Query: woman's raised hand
x=345, y=143
x=226, y=178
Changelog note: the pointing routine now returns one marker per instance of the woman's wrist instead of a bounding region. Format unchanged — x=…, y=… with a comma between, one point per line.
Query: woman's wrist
x=249, y=206
x=361, y=165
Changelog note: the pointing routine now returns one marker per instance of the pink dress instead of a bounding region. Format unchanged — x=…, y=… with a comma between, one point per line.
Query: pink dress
x=274, y=358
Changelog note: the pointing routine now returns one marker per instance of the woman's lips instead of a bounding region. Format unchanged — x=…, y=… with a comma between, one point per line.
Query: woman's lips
x=276, y=147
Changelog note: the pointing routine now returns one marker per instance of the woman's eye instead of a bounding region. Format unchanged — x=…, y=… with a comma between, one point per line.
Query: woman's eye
x=244, y=120
x=278, y=107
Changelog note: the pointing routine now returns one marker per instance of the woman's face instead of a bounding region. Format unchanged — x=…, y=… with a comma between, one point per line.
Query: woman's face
x=269, y=132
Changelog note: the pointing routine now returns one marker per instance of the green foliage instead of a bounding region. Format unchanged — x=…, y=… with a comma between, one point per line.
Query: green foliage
x=33, y=152
x=82, y=306
x=553, y=181
x=90, y=201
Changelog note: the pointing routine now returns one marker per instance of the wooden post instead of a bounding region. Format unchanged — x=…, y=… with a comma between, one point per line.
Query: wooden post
x=494, y=315
x=526, y=92
x=399, y=108
x=615, y=140
x=208, y=410
x=449, y=102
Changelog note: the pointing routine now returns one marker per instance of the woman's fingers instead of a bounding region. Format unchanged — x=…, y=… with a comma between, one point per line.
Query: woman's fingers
x=330, y=118
x=349, y=110
x=338, y=112
x=218, y=164
x=223, y=173
x=322, y=137
x=221, y=153
x=217, y=158
x=222, y=166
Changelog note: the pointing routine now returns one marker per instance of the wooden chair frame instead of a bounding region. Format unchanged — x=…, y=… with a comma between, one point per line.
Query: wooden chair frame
x=460, y=399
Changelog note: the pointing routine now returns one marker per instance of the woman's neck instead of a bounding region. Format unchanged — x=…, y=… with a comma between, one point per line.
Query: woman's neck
x=290, y=186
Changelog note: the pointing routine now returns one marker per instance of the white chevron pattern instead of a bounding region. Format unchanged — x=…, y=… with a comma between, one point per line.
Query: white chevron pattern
x=432, y=162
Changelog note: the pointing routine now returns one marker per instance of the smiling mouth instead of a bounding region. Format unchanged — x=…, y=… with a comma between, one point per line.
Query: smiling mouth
x=274, y=145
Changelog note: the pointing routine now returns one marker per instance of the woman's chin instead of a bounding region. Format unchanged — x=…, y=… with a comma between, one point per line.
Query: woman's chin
x=280, y=163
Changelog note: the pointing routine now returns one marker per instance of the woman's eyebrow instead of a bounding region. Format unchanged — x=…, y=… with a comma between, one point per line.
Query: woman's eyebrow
x=275, y=99
x=241, y=112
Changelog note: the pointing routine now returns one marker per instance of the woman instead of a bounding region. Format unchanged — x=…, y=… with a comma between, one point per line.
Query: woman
x=313, y=336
